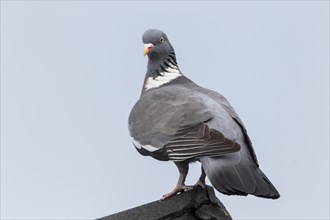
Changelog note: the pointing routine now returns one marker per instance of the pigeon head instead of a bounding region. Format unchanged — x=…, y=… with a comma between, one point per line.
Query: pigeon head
x=156, y=44
x=159, y=50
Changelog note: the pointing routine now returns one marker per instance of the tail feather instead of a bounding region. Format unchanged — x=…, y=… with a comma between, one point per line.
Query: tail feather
x=238, y=179
x=272, y=193
x=227, y=184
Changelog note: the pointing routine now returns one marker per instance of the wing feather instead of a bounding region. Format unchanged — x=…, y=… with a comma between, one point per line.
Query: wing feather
x=199, y=140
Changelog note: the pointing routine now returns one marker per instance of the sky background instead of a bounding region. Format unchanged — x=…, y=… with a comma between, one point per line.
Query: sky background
x=72, y=71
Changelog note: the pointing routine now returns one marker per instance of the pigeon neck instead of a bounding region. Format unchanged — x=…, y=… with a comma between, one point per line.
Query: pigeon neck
x=158, y=64
x=161, y=72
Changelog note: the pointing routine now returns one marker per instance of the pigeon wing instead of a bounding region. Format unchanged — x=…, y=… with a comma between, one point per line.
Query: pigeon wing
x=199, y=140
x=174, y=120
x=230, y=110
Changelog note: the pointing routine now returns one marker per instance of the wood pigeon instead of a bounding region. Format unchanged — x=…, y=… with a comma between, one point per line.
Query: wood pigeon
x=180, y=121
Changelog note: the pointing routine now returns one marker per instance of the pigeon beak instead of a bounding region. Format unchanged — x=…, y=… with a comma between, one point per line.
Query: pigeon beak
x=147, y=48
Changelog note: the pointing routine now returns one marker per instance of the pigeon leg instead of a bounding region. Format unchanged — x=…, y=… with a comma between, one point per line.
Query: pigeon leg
x=183, y=168
x=201, y=180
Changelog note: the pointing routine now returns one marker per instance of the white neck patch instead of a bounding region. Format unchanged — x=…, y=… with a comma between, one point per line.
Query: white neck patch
x=172, y=72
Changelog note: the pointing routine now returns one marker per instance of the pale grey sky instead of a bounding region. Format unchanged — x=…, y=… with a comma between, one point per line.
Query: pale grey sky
x=71, y=72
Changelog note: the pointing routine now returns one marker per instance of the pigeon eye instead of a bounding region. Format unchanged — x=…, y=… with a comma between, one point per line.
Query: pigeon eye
x=161, y=40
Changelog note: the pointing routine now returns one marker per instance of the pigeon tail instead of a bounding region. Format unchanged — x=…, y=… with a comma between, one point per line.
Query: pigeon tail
x=273, y=193
x=242, y=178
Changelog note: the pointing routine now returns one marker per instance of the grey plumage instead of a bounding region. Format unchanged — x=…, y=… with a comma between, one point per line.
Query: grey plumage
x=177, y=120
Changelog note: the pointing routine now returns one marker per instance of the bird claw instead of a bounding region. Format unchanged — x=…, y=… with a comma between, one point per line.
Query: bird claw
x=187, y=188
x=201, y=183
x=176, y=190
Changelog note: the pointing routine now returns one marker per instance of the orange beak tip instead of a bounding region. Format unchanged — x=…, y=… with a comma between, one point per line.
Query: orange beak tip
x=147, y=48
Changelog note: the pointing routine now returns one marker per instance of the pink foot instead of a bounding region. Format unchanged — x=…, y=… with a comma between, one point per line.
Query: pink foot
x=176, y=190
x=201, y=183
